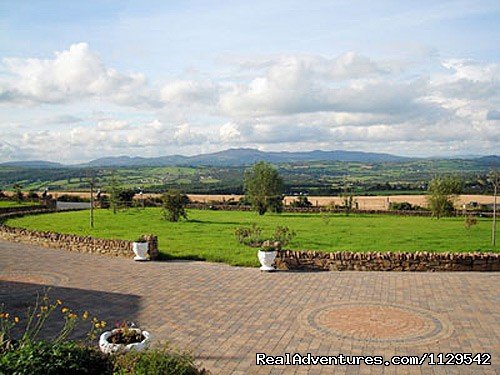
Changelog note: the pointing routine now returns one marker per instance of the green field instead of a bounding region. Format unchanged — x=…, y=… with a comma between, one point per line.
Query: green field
x=15, y=204
x=209, y=235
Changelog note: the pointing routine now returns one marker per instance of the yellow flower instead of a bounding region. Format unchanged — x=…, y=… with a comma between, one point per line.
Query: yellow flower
x=103, y=324
x=85, y=315
x=38, y=315
x=16, y=319
x=44, y=308
x=6, y=315
x=97, y=325
x=94, y=320
x=72, y=316
x=58, y=302
x=2, y=315
x=64, y=310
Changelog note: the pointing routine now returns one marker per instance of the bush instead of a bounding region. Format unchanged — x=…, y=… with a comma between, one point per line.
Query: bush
x=71, y=198
x=283, y=235
x=404, y=206
x=162, y=361
x=126, y=196
x=41, y=357
x=470, y=221
x=252, y=236
x=33, y=195
x=18, y=194
x=174, y=205
x=301, y=202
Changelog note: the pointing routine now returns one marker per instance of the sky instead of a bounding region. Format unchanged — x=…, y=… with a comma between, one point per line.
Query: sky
x=81, y=80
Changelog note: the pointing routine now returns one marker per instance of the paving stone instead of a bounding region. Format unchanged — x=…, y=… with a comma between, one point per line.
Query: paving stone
x=225, y=315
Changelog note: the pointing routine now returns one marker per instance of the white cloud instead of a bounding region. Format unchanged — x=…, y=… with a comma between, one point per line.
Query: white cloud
x=189, y=92
x=185, y=135
x=229, y=132
x=72, y=74
x=293, y=102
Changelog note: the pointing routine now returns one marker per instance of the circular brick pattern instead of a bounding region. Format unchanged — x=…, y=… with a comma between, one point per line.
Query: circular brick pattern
x=376, y=323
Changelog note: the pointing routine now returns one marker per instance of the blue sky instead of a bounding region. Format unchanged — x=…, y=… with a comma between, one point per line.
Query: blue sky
x=100, y=78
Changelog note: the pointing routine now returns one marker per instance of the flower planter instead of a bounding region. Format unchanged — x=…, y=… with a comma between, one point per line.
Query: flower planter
x=266, y=259
x=140, y=250
x=108, y=347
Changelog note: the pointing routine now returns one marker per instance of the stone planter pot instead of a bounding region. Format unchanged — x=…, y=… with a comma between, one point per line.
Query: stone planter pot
x=108, y=347
x=140, y=250
x=266, y=259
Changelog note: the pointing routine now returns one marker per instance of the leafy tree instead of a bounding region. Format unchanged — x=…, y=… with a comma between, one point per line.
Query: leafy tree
x=114, y=191
x=348, y=201
x=174, y=205
x=441, y=193
x=264, y=188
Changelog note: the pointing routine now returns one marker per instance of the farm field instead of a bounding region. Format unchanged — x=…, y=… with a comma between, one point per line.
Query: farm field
x=209, y=235
x=379, y=202
x=16, y=204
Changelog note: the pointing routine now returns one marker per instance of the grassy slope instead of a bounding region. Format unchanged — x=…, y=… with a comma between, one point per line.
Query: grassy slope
x=209, y=235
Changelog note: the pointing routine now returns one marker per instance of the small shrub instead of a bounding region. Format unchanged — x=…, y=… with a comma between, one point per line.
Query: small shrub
x=126, y=196
x=400, y=206
x=275, y=204
x=301, y=202
x=349, y=203
x=72, y=198
x=283, y=235
x=18, y=193
x=174, y=205
x=244, y=201
x=163, y=361
x=33, y=195
x=470, y=221
x=41, y=357
x=250, y=236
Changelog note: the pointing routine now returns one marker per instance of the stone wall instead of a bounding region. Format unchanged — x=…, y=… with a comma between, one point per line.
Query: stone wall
x=70, y=242
x=6, y=210
x=313, y=209
x=371, y=261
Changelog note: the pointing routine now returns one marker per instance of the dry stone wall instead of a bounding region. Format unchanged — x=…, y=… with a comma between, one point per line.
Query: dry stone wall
x=313, y=209
x=374, y=261
x=70, y=242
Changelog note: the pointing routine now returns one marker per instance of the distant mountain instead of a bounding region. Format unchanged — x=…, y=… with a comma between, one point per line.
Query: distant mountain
x=127, y=161
x=244, y=156
x=241, y=157
x=247, y=156
x=36, y=164
x=490, y=161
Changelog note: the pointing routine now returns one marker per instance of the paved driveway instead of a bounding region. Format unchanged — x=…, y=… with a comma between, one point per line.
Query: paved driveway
x=225, y=315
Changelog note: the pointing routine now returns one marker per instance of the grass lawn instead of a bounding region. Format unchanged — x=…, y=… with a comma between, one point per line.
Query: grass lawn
x=15, y=204
x=209, y=235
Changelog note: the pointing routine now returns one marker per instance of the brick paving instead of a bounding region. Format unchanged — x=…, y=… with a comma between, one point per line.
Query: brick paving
x=224, y=315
